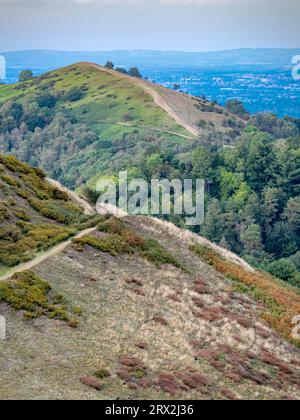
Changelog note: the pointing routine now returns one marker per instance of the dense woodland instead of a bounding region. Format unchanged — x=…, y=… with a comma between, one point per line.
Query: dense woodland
x=253, y=202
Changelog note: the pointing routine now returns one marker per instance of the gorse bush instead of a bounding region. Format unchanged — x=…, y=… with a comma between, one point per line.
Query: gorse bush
x=10, y=181
x=14, y=165
x=28, y=292
x=75, y=94
x=4, y=214
x=63, y=212
x=20, y=242
x=112, y=244
x=45, y=235
x=22, y=215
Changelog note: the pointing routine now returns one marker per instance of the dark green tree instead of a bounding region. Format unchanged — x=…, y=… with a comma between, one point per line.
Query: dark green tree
x=283, y=269
x=261, y=165
x=237, y=107
x=252, y=240
x=134, y=72
x=25, y=75
x=109, y=65
x=46, y=100
x=121, y=70
x=212, y=227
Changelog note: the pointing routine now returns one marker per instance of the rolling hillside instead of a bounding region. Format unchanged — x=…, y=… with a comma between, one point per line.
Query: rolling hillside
x=260, y=78
x=110, y=96
x=132, y=308
x=82, y=118
x=83, y=122
x=153, y=320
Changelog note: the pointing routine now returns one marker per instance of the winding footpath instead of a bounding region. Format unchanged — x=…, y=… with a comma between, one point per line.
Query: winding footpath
x=145, y=127
x=88, y=209
x=151, y=90
x=47, y=254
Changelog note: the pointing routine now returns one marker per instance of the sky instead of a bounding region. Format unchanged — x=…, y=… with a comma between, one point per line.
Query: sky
x=187, y=25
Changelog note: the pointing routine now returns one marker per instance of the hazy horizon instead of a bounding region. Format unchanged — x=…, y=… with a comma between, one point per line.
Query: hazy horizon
x=143, y=50
x=156, y=25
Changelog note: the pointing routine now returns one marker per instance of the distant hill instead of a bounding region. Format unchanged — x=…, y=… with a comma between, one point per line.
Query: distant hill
x=86, y=111
x=260, y=78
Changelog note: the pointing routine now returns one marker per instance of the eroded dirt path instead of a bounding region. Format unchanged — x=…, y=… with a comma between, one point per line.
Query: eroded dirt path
x=47, y=254
x=145, y=127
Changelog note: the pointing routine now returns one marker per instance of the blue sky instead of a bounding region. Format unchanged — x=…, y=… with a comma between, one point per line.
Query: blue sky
x=191, y=25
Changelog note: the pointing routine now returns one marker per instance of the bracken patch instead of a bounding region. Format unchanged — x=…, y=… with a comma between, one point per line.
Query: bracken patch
x=281, y=303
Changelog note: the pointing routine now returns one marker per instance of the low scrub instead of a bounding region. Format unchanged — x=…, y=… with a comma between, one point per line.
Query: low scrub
x=19, y=242
x=30, y=293
x=60, y=211
x=4, y=213
x=122, y=240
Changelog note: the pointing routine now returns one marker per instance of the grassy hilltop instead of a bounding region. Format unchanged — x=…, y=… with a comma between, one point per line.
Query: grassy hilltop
x=83, y=120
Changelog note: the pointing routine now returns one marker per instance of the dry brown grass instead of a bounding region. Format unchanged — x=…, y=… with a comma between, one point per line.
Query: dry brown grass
x=282, y=303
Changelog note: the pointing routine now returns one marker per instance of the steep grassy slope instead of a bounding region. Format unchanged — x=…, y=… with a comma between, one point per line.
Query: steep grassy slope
x=112, y=98
x=109, y=100
x=34, y=215
x=149, y=327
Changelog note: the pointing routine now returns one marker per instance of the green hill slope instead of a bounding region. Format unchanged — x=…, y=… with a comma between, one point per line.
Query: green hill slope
x=106, y=99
